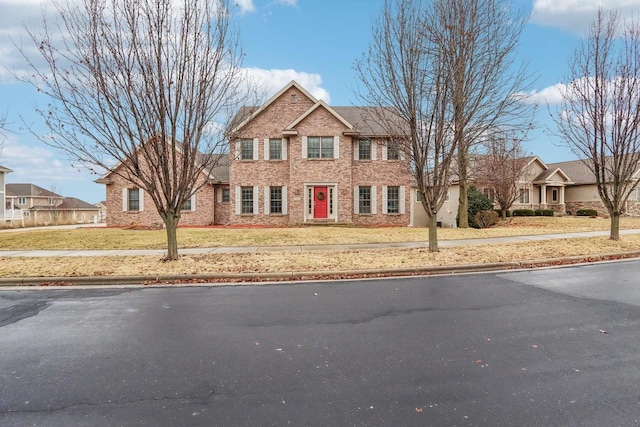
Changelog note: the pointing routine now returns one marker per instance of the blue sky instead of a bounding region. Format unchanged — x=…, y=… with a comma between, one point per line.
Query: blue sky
x=315, y=42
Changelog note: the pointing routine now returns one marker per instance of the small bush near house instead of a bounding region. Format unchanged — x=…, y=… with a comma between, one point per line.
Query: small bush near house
x=543, y=212
x=486, y=219
x=477, y=202
x=587, y=212
x=523, y=212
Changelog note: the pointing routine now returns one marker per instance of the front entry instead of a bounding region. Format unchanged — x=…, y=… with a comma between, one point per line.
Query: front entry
x=320, y=197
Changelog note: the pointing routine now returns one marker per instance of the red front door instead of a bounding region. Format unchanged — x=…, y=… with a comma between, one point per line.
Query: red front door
x=320, y=199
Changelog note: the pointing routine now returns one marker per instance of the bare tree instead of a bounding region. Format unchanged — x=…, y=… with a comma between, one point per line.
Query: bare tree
x=143, y=84
x=599, y=117
x=478, y=40
x=501, y=167
x=404, y=73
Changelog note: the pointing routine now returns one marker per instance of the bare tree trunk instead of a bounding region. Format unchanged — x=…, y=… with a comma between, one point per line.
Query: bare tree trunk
x=433, y=232
x=463, y=184
x=615, y=226
x=171, y=225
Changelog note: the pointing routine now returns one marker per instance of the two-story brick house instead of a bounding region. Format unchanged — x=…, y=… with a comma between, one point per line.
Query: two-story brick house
x=295, y=159
x=292, y=160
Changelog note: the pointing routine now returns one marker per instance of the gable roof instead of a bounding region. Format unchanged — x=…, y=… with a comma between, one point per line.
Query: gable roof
x=29, y=190
x=577, y=170
x=252, y=112
x=73, y=203
x=547, y=174
x=314, y=108
x=365, y=119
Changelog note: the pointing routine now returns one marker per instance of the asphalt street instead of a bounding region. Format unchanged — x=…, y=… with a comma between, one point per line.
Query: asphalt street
x=540, y=347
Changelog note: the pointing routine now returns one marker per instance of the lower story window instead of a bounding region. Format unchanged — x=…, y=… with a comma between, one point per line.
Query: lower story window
x=247, y=200
x=364, y=201
x=275, y=198
x=133, y=199
x=524, y=195
x=393, y=200
x=226, y=196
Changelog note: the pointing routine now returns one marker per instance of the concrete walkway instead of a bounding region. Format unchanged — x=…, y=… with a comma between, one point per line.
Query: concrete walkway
x=305, y=248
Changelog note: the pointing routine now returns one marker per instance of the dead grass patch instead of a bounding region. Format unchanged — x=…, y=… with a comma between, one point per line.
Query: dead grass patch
x=115, y=238
x=268, y=262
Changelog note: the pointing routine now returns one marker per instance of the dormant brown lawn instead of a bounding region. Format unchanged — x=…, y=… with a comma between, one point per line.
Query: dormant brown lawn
x=300, y=261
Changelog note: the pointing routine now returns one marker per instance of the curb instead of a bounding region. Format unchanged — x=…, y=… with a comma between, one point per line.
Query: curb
x=254, y=278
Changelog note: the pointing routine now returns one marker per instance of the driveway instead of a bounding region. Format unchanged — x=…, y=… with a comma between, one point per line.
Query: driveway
x=515, y=348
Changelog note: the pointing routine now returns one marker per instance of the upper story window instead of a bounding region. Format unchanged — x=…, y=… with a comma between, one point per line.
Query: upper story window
x=320, y=147
x=364, y=149
x=52, y=201
x=246, y=149
x=275, y=149
x=393, y=152
x=22, y=200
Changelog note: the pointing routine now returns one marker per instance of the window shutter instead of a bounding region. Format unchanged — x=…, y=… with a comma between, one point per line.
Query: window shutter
x=402, y=199
x=193, y=202
x=267, y=196
x=336, y=147
x=256, y=206
x=356, y=150
x=401, y=149
x=238, y=200
x=284, y=148
x=238, y=155
x=374, y=149
x=266, y=148
x=256, y=143
x=304, y=147
x=384, y=152
x=284, y=200
x=385, y=199
x=219, y=195
x=356, y=200
x=141, y=195
x=125, y=194
x=374, y=200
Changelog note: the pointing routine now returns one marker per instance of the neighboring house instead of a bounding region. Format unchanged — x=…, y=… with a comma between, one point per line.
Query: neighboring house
x=102, y=211
x=42, y=207
x=5, y=213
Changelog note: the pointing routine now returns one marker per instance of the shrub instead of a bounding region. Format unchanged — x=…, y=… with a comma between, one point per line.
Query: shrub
x=477, y=202
x=544, y=212
x=587, y=212
x=486, y=219
x=523, y=212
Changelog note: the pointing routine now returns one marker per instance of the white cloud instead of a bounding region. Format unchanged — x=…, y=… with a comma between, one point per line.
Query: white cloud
x=551, y=95
x=288, y=2
x=577, y=15
x=274, y=80
x=245, y=6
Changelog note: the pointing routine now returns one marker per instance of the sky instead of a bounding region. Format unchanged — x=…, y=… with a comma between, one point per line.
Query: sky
x=316, y=43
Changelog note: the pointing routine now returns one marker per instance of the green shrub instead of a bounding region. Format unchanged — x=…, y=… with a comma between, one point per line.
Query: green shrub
x=587, y=212
x=523, y=212
x=543, y=212
x=477, y=202
x=486, y=219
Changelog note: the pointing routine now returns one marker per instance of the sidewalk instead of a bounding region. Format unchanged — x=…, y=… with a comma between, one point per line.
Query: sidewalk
x=304, y=248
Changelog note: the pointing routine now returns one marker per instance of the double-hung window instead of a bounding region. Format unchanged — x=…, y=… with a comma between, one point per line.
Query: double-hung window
x=275, y=200
x=393, y=152
x=226, y=195
x=246, y=200
x=133, y=199
x=246, y=149
x=393, y=200
x=524, y=195
x=320, y=147
x=364, y=149
x=364, y=200
x=275, y=149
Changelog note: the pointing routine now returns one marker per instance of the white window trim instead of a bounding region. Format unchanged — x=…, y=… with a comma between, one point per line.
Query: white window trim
x=356, y=200
x=125, y=200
